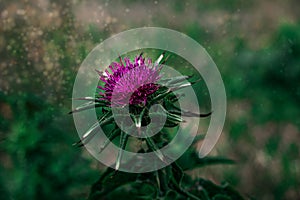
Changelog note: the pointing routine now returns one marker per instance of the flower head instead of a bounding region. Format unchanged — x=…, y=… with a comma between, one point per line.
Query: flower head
x=130, y=83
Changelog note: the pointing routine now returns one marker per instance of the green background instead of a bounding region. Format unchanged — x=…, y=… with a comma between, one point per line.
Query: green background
x=255, y=44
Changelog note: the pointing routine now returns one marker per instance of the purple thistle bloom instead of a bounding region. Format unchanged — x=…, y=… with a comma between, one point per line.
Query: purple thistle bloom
x=131, y=83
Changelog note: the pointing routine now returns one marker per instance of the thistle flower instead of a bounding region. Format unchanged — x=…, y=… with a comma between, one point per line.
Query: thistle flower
x=136, y=83
x=132, y=82
x=139, y=84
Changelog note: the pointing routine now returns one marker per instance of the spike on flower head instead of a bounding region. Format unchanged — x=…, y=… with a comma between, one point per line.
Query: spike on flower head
x=129, y=82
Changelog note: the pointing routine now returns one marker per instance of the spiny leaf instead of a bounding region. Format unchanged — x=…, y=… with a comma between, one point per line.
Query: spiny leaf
x=179, y=111
x=165, y=91
x=179, y=86
x=110, y=137
x=190, y=114
x=160, y=96
x=190, y=160
x=109, y=181
x=143, y=190
x=173, y=80
x=159, y=59
x=86, y=106
x=107, y=121
x=162, y=182
x=171, y=118
x=88, y=135
x=151, y=144
x=176, y=174
x=89, y=99
x=92, y=131
x=170, y=124
x=175, y=98
x=123, y=142
x=214, y=190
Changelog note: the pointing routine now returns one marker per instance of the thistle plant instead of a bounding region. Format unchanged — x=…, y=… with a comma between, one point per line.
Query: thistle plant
x=138, y=85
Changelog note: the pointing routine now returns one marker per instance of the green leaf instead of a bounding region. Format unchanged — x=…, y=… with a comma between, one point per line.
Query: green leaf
x=189, y=113
x=179, y=86
x=93, y=130
x=151, y=144
x=173, y=80
x=92, y=99
x=88, y=135
x=178, y=111
x=110, y=137
x=217, y=191
x=109, y=181
x=162, y=182
x=173, y=98
x=176, y=174
x=160, y=96
x=143, y=190
x=123, y=141
x=87, y=106
x=190, y=160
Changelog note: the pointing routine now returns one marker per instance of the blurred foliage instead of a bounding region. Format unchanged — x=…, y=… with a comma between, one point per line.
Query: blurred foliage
x=35, y=152
x=270, y=76
x=256, y=45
